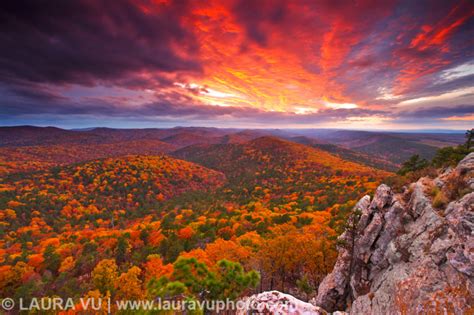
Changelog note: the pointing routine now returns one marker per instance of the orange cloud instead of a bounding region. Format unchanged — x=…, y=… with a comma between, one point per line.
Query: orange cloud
x=296, y=66
x=424, y=55
x=460, y=118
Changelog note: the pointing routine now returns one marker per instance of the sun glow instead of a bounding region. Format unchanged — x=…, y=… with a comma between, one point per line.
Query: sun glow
x=340, y=105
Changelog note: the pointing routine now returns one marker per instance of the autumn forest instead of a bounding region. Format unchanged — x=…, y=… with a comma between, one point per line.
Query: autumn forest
x=140, y=213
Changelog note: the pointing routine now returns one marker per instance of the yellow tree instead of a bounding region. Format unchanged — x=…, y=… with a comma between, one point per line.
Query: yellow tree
x=94, y=298
x=104, y=275
x=67, y=264
x=129, y=285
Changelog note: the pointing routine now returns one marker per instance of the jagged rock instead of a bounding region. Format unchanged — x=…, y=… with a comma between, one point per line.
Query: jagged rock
x=332, y=291
x=363, y=207
x=394, y=217
x=359, y=281
x=460, y=216
x=364, y=243
x=382, y=198
x=407, y=256
x=466, y=165
x=333, y=288
x=275, y=302
x=418, y=201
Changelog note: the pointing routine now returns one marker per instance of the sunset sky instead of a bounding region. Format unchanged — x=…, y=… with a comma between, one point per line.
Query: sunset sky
x=285, y=64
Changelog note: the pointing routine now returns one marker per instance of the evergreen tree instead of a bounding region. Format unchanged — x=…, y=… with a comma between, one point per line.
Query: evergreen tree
x=52, y=260
x=122, y=249
x=415, y=163
x=469, y=136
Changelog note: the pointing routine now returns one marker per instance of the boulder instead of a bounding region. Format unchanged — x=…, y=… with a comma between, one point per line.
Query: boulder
x=275, y=302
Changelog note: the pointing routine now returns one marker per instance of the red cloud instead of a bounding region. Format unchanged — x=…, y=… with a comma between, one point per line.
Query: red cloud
x=425, y=54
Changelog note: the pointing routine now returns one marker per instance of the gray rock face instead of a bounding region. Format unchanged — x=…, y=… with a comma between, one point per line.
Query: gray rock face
x=383, y=197
x=466, y=165
x=460, y=217
x=408, y=257
x=275, y=302
x=333, y=293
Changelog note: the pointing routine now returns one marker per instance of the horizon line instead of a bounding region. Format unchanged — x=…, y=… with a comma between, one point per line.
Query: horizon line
x=426, y=130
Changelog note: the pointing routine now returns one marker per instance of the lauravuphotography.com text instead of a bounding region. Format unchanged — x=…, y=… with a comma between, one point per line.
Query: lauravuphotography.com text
x=110, y=305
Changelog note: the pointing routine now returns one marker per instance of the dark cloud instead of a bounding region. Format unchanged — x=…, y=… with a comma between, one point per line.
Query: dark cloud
x=255, y=16
x=86, y=41
x=438, y=112
x=448, y=85
x=30, y=91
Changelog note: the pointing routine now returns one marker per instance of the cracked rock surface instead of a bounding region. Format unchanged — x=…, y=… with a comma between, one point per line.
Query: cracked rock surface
x=406, y=256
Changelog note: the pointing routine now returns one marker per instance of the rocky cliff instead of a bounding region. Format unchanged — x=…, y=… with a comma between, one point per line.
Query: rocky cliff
x=408, y=253
x=405, y=253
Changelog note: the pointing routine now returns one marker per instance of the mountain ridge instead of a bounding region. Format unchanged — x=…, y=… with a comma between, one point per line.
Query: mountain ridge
x=280, y=149
x=369, y=148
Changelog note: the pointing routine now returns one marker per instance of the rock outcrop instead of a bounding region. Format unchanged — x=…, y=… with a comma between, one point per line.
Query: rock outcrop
x=406, y=254
x=275, y=302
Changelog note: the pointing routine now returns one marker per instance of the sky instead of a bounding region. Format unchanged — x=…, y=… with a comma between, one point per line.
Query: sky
x=238, y=63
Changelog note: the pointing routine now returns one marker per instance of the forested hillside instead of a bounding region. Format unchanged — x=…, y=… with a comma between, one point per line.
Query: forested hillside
x=268, y=205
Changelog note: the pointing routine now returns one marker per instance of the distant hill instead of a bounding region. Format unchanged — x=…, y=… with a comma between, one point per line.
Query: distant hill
x=284, y=167
x=347, y=154
x=393, y=147
x=376, y=149
x=186, y=138
x=260, y=152
x=110, y=184
x=242, y=136
x=31, y=158
x=30, y=135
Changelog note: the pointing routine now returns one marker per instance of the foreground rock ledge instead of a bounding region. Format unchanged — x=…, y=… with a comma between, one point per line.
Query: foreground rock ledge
x=408, y=256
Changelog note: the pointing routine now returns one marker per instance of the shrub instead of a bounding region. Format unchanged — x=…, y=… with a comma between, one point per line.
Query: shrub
x=413, y=164
x=457, y=188
x=439, y=200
